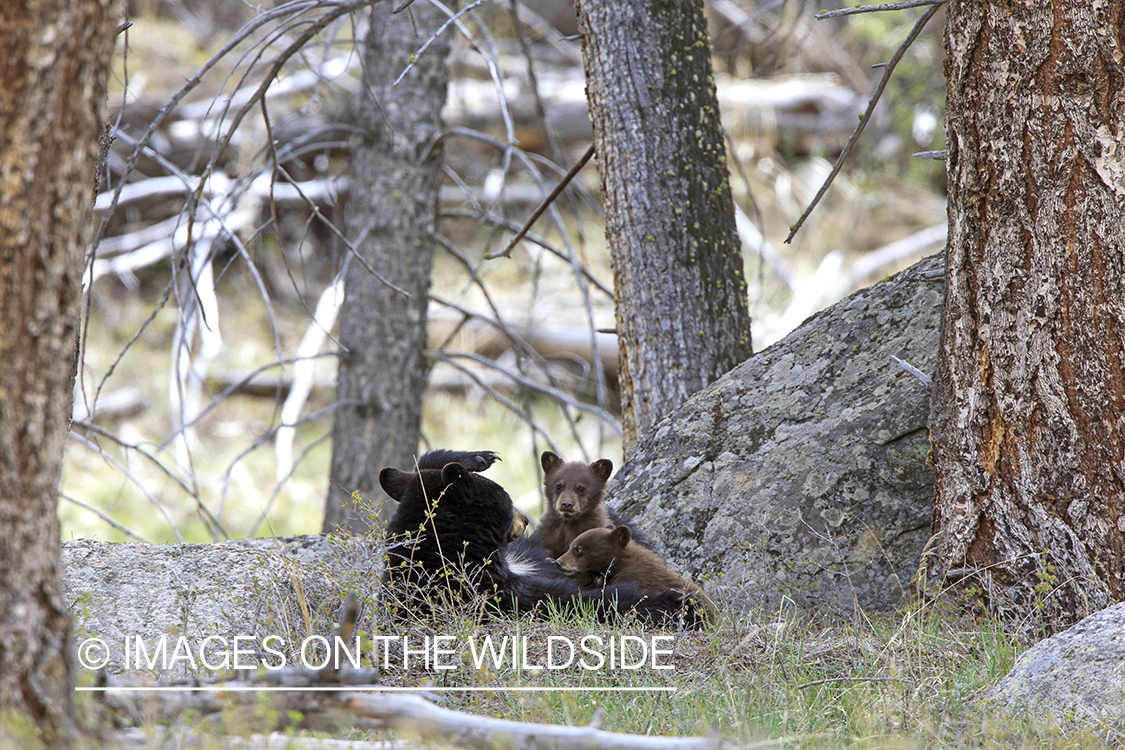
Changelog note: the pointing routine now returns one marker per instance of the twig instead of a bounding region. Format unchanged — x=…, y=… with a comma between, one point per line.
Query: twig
x=543, y=206
x=133, y=478
x=100, y=514
x=451, y=357
x=930, y=154
x=344, y=632
x=864, y=117
x=511, y=226
x=828, y=680
x=926, y=380
x=425, y=46
x=875, y=8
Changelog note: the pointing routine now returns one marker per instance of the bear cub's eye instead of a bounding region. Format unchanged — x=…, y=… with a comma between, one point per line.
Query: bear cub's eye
x=580, y=489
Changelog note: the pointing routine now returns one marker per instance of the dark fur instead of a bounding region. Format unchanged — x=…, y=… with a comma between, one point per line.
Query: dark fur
x=450, y=535
x=609, y=555
x=575, y=502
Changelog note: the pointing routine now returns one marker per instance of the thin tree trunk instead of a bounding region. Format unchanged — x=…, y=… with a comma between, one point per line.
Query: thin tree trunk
x=396, y=172
x=682, y=315
x=1028, y=409
x=53, y=75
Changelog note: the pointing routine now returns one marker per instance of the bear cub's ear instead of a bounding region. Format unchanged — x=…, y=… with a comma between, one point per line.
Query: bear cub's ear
x=621, y=536
x=549, y=461
x=602, y=468
x=394, y=482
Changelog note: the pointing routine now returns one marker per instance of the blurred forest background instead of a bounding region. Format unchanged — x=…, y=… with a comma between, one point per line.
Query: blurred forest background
x=206, y=383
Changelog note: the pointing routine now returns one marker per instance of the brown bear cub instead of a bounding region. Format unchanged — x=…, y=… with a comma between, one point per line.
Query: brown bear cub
x=575, y=501
x=608, y=555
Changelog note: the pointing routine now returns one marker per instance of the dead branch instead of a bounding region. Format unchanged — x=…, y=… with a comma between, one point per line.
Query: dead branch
x=545, y=204
x=875, y=8
x=888, y=69
x=410, y=713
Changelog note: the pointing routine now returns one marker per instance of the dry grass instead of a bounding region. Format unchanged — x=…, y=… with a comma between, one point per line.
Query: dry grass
x=909, y=679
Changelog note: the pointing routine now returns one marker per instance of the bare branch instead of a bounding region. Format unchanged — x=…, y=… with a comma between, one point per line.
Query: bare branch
x=453, y=17
x=325, y=317
x=545, y=204
x=414, y=714
x=875, y=8
x=105, y=517
x=923, y=377
x=865, y=117
x=140, y=485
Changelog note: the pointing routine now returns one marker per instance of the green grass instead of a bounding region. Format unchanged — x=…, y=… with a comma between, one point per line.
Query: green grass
x=911, y=679
x=907, y=679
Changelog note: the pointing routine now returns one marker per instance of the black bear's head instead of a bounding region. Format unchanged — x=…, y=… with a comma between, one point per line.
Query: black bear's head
x=470, y=514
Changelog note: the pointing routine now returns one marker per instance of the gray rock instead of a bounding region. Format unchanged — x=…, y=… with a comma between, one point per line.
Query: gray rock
x=1076, y=677
x=801, y=474
x=161, y=595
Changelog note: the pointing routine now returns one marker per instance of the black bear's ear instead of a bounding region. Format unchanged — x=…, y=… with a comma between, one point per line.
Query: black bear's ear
x=452, y=472
x=394, y=483
x=549, y=461
x=603, y=467
x=621, y=536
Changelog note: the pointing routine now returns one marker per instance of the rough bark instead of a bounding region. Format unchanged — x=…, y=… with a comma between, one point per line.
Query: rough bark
x=53, y=74
x=682, y=316
x=1028, y=420
x=396, y=170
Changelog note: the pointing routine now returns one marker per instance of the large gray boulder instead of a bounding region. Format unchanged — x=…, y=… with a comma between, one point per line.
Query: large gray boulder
x=1076, y=678
x=801, y=474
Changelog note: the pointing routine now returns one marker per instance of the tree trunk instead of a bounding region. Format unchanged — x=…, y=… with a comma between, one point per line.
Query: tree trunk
x=682, y=315
x=1028, y=409
x=396, y=172
x=53, y=75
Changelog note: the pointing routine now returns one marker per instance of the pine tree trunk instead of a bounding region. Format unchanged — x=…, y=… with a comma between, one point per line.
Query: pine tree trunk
x=1028, y=409
x=396, y=172
x=682, y=315
x=54, y=67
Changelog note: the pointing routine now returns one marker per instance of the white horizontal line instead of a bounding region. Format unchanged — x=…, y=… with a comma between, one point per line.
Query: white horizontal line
x=370, y=689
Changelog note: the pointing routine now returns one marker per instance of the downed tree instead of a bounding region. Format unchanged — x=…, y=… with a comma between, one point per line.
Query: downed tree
x=416, y=715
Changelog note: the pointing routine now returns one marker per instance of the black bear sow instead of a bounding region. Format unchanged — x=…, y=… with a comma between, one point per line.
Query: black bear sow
x=449, y=539
x=575, y=502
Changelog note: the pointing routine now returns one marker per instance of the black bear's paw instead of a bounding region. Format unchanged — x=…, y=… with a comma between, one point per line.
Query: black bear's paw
x=474, y=461
x=672, y=608
x=479, y=460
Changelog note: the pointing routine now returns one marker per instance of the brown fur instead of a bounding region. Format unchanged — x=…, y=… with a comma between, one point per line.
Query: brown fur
x=575, y=501
x=519, y=525
x=608, y=555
